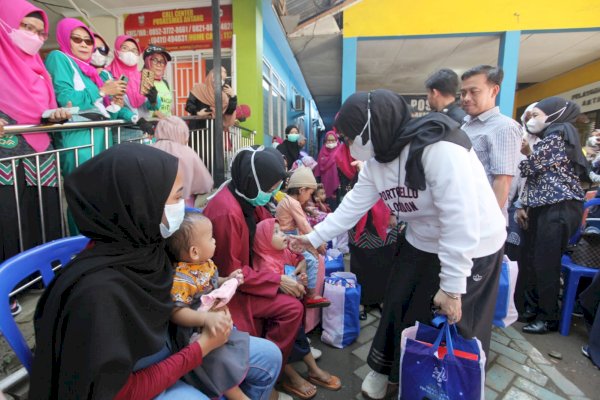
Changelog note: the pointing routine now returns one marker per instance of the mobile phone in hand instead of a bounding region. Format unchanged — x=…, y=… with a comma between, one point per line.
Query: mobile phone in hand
x=147, y=80
x=123, y=78
x=227, y=82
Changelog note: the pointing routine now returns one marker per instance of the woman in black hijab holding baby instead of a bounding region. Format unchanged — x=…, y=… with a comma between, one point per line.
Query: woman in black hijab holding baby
x=101, y=325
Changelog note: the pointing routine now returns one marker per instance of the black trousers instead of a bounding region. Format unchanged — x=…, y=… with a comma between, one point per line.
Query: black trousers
x=413, y=283
x=546, y=239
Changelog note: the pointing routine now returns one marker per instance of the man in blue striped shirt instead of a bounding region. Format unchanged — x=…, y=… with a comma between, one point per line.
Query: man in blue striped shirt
x=496, y=138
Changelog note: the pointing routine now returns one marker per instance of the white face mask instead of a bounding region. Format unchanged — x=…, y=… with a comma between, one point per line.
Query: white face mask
x=174, y=214
x=538, y=124
x=130, y=59
x=358, y=150
x=331, y=145
x=98, y=60
x=535, y=125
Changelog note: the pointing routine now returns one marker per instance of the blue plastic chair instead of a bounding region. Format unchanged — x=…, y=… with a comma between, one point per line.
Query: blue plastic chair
x=572, y=273
x=38, y=260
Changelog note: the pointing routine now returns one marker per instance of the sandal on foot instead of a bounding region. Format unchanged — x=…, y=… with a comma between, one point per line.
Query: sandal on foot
x=294, y=391
x=333, y=383
x=319, y=302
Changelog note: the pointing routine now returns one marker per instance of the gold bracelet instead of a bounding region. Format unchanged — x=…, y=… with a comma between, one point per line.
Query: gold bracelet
x=453, y=297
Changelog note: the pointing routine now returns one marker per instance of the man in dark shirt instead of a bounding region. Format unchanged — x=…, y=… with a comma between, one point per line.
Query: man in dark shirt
x=442, y=87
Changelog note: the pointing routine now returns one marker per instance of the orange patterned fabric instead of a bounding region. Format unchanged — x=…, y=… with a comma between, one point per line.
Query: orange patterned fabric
x=192, y=281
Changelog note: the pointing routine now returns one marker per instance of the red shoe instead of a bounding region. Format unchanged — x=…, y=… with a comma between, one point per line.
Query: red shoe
x=317, y=302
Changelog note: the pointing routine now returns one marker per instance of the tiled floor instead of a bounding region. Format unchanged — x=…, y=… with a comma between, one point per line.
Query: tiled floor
x=516, y=370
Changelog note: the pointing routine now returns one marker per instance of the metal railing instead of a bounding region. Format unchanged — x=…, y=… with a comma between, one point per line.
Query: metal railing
x=201, y=141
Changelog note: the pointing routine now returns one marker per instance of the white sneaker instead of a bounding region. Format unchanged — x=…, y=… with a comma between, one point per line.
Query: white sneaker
x=316, y=353
x=374, y=386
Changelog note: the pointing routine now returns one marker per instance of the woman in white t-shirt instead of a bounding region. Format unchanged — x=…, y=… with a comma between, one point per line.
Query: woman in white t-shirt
x=426, y=172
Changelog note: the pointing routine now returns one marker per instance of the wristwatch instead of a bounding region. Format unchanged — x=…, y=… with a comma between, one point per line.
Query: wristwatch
x=101, y=93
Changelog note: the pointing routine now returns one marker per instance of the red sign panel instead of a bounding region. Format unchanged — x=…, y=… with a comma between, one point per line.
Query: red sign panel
x=185, y=29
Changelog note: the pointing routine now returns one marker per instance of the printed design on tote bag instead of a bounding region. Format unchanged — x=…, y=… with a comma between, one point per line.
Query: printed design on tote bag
x=440, y=375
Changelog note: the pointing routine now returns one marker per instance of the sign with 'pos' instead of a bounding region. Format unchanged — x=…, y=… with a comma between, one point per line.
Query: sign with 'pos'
x=185, y=29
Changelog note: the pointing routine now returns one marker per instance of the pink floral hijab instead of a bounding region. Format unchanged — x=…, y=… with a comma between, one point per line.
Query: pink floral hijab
x=26, y=89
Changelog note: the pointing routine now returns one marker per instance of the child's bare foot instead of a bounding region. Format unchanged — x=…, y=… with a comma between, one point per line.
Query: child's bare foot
x=324, y=379
x=299, y=387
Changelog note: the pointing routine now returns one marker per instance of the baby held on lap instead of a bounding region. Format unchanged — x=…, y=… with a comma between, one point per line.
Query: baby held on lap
x=200, y=298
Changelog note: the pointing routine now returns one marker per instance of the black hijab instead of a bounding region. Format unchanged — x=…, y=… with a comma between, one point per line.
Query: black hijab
x=562, y=121
x=392, y=128
x=110, y=306
x=270, y=169
x=290, y=150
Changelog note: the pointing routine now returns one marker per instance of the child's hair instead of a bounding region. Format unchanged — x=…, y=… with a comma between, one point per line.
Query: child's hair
x=293, y=191
x=180, y=242
x=317, y=190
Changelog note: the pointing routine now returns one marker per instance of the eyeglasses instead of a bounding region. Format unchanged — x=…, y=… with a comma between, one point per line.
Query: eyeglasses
x=158, y=61
x=102, y=50
x=133, y=50
x=30, y=28
x=79, y=39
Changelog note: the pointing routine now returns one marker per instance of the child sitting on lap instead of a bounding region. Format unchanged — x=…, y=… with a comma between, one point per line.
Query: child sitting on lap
x=271, y=251
x=293, y=220
x=196, y=275
x=317, y=209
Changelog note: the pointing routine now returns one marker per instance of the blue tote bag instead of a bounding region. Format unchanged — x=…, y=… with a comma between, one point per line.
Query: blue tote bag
x=340, y=322
x=439, y=364
x=505, y=313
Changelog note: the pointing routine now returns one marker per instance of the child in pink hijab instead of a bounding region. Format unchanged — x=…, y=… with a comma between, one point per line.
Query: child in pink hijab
x=271, y=251
x=172, y=135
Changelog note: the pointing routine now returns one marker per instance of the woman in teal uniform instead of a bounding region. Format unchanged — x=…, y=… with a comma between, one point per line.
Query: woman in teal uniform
x=77, y=83
x=119, y=107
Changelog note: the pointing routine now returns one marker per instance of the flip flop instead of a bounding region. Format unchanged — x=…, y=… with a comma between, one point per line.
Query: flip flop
x=334, y=383
x=294, y=391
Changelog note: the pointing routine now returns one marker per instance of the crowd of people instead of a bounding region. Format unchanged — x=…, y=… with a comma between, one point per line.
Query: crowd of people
x=161, y=297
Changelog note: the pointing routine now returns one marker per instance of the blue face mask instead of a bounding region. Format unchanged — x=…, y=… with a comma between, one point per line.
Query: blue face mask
x=261, y=198
x=293, y=137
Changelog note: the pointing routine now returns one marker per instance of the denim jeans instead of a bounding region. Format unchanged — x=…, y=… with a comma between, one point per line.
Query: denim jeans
x=180, y=390
x=264, y=367
x=312, y=263
x=265, y=364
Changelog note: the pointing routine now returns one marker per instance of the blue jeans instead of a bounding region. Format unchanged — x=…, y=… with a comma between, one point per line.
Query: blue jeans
x=180, y=390
x=264, y=367
x=265, y=364
x=312, y=263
